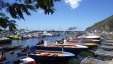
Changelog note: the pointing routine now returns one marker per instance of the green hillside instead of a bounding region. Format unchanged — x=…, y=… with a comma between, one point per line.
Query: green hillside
x=104, y=25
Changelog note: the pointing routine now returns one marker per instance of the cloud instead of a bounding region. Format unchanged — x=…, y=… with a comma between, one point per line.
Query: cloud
x=73, y=3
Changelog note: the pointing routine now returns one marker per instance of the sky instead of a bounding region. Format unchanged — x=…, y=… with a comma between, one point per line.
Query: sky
x=69, y=13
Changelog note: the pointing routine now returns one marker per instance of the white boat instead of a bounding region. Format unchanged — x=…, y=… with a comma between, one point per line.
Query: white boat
x=45, y=33
x=91, y=36
x=27, y=60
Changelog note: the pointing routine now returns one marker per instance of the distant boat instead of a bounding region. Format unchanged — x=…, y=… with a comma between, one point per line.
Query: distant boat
x=15, y=37
x=36, y=35
x=5, y=40
x=24, y=37
x=45, y=33
x=11, y=48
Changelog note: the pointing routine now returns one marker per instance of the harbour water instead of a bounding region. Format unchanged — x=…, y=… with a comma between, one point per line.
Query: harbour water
x=29, y=42
x=33, y=41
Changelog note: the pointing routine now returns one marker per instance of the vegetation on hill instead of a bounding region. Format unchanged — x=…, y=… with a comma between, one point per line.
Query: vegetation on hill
x=104, y=25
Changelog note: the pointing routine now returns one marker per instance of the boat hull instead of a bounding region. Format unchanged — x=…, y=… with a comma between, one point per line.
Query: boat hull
x=5, y=41
x=11, y=48
x=15, y=37
x=50, y=59
x=73, y=50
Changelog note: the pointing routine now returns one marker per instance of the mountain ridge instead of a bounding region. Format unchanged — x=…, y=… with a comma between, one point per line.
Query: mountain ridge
x=104, y=25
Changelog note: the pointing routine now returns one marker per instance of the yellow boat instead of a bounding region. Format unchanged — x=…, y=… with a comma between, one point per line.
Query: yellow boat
x=90, y=45
x=15, y=37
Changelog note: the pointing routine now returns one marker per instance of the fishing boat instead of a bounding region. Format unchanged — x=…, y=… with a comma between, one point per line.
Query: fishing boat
x=5, y=40
x=58, y=47
x=15, y=37
x=82, y=43
x=90, y=45
x=46, y=56
x=87, y=40
x=11, y=48
x=90, y=36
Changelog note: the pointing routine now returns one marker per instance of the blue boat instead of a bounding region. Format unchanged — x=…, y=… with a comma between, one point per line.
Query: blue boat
x=49, y=57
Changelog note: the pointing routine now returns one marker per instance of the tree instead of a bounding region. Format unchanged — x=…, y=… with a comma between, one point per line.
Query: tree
x=6, y=23
x=18, y=8
x=12, y=25
x=3, y=23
